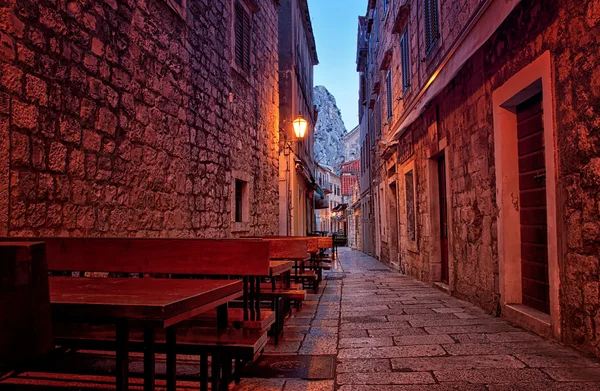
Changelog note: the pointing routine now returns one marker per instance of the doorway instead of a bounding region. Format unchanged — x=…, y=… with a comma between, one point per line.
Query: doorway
x=393, y=240
x=443, y=203
x=529, y=230
x=533, y=214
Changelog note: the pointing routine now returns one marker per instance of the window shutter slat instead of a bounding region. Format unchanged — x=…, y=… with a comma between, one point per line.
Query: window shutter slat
x=239, y=34
x=389, y=93
x=247, y=41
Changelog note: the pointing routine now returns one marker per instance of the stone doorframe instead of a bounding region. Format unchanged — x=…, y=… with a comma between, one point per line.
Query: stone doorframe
x=531, y=80
x=435, y=261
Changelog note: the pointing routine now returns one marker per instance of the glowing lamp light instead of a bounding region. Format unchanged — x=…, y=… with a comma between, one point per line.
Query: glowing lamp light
x=300, y=126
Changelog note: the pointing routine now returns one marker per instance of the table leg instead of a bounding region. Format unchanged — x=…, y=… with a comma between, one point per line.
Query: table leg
x=245, y=298
x=222, y=318
x=122, y=329
x=171, y=359
x=252, y=298
x=149, y=358
x=258, y=298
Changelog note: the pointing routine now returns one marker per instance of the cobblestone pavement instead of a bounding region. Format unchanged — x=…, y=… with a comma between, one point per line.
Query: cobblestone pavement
x=390, y=332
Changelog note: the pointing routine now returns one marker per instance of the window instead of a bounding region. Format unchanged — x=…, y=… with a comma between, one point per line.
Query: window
x=432, y=32
x=240, y=187
x=383, y=213
x=243, y=38
x=363, y=90
x=388, y=82
x=240, y=193
x=378, y=118
x=405, y=58
x=411, y=226
x=376, y=28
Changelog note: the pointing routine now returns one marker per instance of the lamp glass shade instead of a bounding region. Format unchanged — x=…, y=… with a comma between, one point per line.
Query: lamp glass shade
x=300, y=126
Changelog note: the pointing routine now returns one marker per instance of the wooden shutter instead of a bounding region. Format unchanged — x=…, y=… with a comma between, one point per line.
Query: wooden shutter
x=247, y=41
x=431, y=23
x=404, y=54
x=239, y=35
x=389, y=93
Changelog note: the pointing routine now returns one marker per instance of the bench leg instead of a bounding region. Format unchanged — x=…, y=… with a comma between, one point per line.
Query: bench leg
x=226, y=373
x=171, y=359
x=122, y=329
x=204, y=372
x=216, y=372
x=238, y=371
x=149, y=358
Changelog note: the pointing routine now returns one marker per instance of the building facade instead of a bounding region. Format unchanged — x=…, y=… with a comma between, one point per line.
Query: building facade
x=147, y=118
x=484, y=166
x=349, y=172
x=297, y=57
x=352, y=144
x=327, y=219
x=366, y=201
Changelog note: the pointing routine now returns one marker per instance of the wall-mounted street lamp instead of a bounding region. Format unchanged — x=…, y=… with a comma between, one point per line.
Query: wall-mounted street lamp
x=300, y=126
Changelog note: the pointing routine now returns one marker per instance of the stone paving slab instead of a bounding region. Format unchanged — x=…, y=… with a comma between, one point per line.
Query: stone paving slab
x=393, y=333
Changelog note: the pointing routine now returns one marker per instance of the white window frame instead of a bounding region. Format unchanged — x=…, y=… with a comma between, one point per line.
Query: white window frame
x=244, y=225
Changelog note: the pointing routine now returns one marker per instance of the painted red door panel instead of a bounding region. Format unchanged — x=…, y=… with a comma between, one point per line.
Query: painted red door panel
x=533, y=213
x=443, y=218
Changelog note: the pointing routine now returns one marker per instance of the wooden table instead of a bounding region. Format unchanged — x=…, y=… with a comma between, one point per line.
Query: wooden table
x=283, y=269
x=153, y=303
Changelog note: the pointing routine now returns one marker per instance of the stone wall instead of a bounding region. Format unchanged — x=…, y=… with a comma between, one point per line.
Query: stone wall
x=570, y=31
x=120, y=117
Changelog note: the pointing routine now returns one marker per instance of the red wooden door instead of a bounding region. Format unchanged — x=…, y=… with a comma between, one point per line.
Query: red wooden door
x=532, y=193
x=443, y=217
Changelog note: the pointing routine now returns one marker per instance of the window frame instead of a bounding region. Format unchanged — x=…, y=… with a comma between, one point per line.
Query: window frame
x=247, y=193
x=387, y=5
x=405, y=60
x=249, y=13
x=389, y=94
x=432, y=26
x=411, y=244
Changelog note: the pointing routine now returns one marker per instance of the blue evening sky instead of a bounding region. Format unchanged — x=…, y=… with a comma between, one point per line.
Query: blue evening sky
x=335, y=23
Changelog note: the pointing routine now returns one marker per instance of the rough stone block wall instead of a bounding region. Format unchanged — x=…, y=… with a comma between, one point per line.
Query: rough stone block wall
x=121, y=118
x=571, y=32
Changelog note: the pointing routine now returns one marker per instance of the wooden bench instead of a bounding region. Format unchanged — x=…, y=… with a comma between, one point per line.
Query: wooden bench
x=325, y=243
x=247, y=260
x=25, y=318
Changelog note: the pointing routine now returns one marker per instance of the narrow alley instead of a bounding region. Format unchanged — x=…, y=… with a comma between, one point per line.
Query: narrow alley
x=382, y=331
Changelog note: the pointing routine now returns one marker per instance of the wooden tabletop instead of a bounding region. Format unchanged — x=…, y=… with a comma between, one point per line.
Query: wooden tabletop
x=279, y=267
x=165, y=301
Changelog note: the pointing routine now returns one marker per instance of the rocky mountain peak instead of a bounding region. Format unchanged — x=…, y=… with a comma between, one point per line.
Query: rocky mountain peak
x=329, y=130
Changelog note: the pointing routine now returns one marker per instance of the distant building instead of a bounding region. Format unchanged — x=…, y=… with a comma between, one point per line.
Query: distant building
x=349, y=172
x=364, y=63
x=297, y=58
x=479, y=154
x=327, y=219
x=352, y=144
